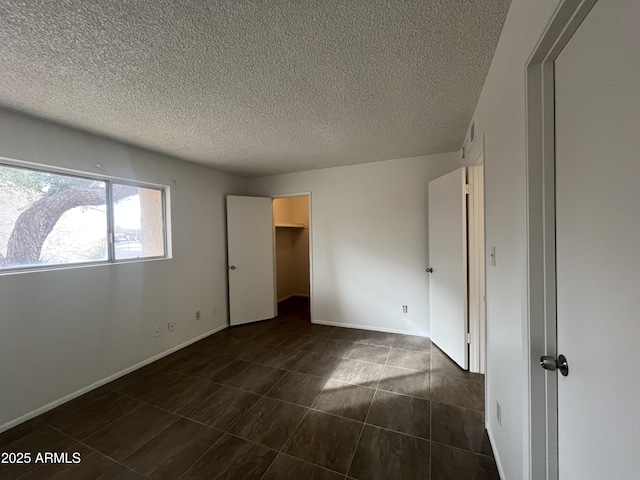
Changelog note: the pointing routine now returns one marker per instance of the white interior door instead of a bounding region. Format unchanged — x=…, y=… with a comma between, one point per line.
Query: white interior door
x=250, y=259
x=448, y=259
x=597, y=81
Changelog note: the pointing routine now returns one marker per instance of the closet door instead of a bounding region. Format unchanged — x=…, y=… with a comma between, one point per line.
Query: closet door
x=448, y=261
x=250, y=259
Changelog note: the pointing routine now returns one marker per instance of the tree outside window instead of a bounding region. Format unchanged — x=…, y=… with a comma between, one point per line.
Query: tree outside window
x=49, y=218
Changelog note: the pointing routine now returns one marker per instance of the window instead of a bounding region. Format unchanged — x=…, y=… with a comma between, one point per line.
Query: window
x=50, y=218
x=138, y=222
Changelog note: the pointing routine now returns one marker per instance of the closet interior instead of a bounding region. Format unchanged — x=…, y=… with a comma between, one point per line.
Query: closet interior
x=291, y=219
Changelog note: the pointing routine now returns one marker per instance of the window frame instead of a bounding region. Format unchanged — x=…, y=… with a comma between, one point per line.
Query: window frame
x=111, y=240
x=109, y=181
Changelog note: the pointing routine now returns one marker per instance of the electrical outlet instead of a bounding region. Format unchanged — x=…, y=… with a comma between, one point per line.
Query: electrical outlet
x=214, y=310
x=157, y=331
x=197, y=315
x=405, y=309
x=499, y=412
x=171, y=326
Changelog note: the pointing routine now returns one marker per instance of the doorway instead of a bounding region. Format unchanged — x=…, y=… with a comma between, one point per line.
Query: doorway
x=292, y=255
x=476, y=266
x=456, y=259
x=583, y=250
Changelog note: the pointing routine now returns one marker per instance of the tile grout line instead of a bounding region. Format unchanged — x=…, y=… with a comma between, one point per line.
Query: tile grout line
x=143, y=402
x=342, y=357
x=286, y=401
x=396, y=431
x=319, y=376
x=333, y=355
x=135, y=407
x=355, y=449
x=353, y=455
x=341, y=361
x=140, y=447
x=310, y=408
x=281, y=451
x=310, y=463
x=116, y=462
x=201, y=456
x=75, y=440
x=285, y=443
x=262, y=397
x=465, y=450
x=81, y=440
x=430, y=416
x=287, y=370
x=228, y=430
x=301, y=460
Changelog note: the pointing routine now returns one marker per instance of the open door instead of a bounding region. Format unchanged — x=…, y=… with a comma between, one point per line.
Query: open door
x=250, y=259
x=584, y=243
x=448, y=261
x=597, y=168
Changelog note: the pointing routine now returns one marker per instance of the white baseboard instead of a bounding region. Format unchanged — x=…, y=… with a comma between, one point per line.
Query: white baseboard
x=496, y=455
x=306, y=295
x=369, y=327
x=99, y=383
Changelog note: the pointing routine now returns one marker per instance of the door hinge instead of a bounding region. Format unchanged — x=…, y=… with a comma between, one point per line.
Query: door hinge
x=467, y=189
x=468, y=337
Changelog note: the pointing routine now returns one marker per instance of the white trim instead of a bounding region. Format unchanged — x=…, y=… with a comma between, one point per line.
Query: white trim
x=476, y=153
x=289, y=195
x=465, y=264
x=104, y=381
x=14, y=162
x=74, y=266
x=370, y=327
x=109, y=182
x=476, y=277
x=305, y=295
x=496, y=456
x=287, y=297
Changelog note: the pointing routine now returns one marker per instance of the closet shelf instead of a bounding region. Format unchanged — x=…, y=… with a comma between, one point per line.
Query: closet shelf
x=290, y=225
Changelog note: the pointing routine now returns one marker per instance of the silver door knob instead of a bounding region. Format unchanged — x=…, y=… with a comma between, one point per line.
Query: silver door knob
x=550, y=363
x=232, y=267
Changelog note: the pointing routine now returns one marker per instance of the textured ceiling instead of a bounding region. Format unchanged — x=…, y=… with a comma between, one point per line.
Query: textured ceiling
x=254, y=87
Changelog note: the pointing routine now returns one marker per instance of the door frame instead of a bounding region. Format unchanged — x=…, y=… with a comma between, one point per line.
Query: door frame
x=275, y=269
x=476, y=264
x=473, y=156
x=540, y=237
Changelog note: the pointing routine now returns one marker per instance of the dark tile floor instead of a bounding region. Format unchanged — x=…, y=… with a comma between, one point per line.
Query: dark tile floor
x=281, y=399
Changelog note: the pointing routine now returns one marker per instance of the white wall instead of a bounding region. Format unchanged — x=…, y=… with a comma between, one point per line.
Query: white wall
x=301, y=271
x=284, y=262
x=63, y=330
x=369, y=239
x=500, y=116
